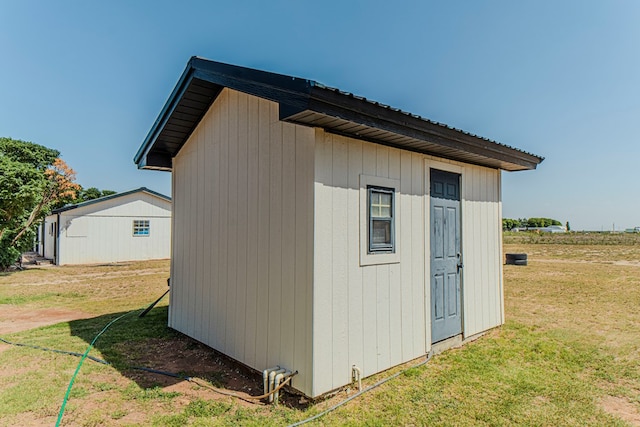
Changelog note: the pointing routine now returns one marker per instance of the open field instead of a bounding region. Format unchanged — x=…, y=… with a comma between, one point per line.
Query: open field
x=569, y=353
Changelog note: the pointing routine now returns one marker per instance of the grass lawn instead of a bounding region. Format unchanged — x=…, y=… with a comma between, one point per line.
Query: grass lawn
x=569, y=353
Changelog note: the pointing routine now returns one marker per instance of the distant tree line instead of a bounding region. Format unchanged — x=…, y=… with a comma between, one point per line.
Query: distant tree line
x=86, y=194
x=510, y=224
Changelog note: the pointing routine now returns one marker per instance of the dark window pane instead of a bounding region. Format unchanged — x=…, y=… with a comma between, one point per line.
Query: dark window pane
x=381, y=234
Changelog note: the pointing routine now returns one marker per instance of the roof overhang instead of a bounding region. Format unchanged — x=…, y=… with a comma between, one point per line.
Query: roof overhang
x=308, y=103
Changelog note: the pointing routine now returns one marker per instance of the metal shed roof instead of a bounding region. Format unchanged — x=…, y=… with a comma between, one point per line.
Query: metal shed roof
x=110, y=197
x=309, y=103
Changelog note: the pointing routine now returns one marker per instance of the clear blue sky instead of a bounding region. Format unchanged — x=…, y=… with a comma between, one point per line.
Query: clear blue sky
x=560, y=79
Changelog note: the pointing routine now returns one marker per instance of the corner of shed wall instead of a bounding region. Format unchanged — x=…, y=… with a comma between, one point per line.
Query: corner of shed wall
x=243, y=235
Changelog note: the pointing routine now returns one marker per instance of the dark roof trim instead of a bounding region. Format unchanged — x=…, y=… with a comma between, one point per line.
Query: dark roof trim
x=309, y=103
x=110, y=197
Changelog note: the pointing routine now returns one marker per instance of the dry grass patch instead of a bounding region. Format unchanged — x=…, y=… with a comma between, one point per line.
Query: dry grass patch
x=568, y=355
x=591, y=294
x=93, y=289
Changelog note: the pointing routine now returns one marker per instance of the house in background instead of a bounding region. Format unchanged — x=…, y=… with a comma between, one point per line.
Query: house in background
x=134, y=225
x=317, y=230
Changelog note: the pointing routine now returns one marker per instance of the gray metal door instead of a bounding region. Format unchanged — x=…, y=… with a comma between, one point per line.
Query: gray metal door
x=446, y=262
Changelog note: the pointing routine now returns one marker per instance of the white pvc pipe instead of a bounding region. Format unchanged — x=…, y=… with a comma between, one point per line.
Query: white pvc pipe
x=272, y=379
x=278, y=379
x=265, y=377
x=356, y=373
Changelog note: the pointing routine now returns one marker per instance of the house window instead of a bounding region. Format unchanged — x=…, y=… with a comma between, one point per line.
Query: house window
x=141, y=227
x=381, y=221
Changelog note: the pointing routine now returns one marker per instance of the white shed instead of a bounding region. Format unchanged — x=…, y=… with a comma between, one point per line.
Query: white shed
x=316, y=230
x=128, y=226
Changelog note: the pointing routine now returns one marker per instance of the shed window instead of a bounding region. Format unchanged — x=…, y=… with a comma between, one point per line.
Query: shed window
x=141, y=227
x=381, y=221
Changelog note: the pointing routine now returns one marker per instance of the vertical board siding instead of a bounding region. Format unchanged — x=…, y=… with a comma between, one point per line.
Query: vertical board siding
x=242, y=250
x=207, y=230
x=275, y=238
x=339, y=252
x=498, y=214
x=421, y=334
x=356, y=287
x=482, y=250
x=264, y=185
x=364, y=316
x=233, y=190
x=322, y=269
x=288, y=221
x=303, y=270
x=243, y=223
x=395, y=277
x=369, y=279
x=252, y=235
x=406, y=319
x=199, y=273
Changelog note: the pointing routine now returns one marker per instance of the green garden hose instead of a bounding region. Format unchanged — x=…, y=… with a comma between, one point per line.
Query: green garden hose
x=84, y=356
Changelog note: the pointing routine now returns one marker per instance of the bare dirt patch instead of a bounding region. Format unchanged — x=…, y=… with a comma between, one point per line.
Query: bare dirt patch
x=16, y=319
x=185, y=356
x=622, y=408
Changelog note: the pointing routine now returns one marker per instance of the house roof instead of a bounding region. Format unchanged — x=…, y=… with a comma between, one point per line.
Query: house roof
x=110, y=197
x=310, y=103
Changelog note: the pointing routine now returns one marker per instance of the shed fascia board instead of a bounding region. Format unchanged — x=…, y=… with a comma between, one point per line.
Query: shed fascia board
x=397, y=122
x=295, y=96
x=111, y=197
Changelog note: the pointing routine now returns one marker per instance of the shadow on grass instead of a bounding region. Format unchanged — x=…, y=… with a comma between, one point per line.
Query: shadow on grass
x=10, y=271
x=15, y=269
x=113, y=264
x=148, y=342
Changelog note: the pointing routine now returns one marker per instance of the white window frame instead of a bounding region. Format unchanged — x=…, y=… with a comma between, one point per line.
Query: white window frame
x=368, y=257
x=140, y=225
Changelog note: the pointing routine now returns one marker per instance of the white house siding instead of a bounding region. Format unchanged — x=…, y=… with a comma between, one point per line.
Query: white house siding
x=241, y=275
x=375, y=316
x=103, y=232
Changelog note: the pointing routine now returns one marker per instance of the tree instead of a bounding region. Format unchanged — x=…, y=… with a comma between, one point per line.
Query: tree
x=542, y=222
x=509, y=224
x=32, y=180
x=91, y=193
